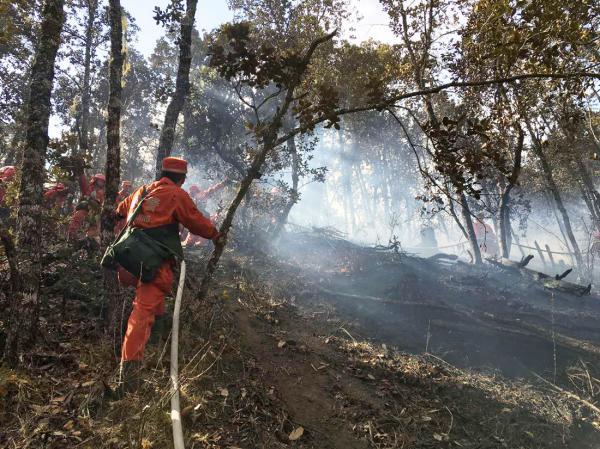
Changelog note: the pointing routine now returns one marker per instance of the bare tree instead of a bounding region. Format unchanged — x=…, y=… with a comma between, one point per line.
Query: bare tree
x=84, y=127
x=182, y=85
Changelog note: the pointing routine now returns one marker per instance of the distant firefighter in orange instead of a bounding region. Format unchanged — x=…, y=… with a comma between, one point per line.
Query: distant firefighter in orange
x=87, y=212
x=56, y=195
x=200, y=198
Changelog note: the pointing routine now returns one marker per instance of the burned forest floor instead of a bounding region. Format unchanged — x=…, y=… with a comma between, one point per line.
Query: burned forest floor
x=319, y=343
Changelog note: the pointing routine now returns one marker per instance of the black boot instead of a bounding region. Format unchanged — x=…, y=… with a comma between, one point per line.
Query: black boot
x=161, y=328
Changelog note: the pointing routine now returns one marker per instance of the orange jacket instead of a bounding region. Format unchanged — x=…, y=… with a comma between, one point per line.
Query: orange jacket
x=90, y=190
x=56, y=195
x=123, y=194
x=166, y=203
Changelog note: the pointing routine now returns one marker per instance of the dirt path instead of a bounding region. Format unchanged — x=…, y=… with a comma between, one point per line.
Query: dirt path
x=299, y=372
x=347, y=393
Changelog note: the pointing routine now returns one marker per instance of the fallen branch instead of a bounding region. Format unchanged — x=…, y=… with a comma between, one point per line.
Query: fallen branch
x=550, y=282
x=588, y=404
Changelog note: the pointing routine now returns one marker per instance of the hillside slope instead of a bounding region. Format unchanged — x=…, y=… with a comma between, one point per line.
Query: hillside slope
x=292, y=353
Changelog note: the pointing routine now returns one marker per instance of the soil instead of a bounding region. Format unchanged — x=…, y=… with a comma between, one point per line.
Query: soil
x=304, y=348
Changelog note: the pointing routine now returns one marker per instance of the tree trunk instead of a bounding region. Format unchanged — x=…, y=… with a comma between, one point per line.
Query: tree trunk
x=347, y=169
x=11, y=256
x=269, y=142
x=548, y=175
x=386, y=185
x=582, y=176
x=182, y=86
x=25, y=306
x=113, y=162
x=468, y=223
x=294, y=194
x=588, y=190
x=504, y=211
x=251, y=175
x=84, y=128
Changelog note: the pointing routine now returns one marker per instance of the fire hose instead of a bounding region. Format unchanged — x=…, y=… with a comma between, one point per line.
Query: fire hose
x=175, y=409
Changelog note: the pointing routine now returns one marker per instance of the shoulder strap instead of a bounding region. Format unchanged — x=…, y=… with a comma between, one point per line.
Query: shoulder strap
x=137, y=209
x=134, y=214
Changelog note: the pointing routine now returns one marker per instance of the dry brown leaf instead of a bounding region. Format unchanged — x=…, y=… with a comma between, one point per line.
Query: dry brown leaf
x=89, y=383
x=296, y=433
x=224, y=392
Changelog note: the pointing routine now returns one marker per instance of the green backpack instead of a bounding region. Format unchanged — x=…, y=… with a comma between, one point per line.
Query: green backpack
x=136, y=251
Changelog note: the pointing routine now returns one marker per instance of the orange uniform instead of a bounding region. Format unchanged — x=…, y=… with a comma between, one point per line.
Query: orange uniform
x=92, y=193
x=56, y=195
x=7, y=174
x=166, y=203
x=199, y=197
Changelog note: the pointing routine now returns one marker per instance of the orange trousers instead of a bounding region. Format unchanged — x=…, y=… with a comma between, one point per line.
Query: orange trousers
x=149, y=301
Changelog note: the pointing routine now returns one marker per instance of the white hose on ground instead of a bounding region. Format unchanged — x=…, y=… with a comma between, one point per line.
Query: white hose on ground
x=175, y=410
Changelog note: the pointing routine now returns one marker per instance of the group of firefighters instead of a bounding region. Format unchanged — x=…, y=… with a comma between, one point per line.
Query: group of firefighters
x=161, y=209
x=85, y=218
x=180, y=218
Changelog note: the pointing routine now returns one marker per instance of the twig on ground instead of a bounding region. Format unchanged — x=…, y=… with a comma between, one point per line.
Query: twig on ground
x=349, y=335
x=573, y=396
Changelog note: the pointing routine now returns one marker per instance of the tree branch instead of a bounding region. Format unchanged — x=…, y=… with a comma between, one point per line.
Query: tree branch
x=434, y=90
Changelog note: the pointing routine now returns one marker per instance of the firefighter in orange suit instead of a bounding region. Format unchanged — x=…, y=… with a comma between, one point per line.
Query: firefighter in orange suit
x=165, y=207
x=88, y=209
x=200, y=197
x=56, y=196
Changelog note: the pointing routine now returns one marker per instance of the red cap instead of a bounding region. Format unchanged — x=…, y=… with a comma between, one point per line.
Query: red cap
x=60, y=187
x=194, y=190
x=99, y=177
x=174, y=165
